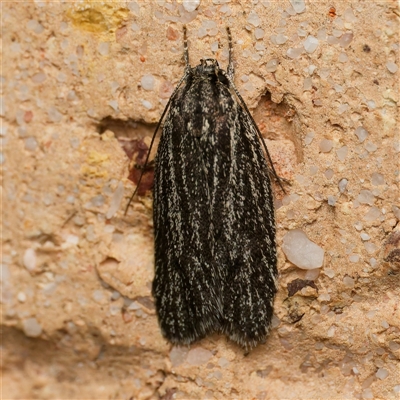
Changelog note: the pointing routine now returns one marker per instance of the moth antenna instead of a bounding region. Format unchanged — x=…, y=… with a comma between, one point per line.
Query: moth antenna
x=185, y=47
x=231, y=68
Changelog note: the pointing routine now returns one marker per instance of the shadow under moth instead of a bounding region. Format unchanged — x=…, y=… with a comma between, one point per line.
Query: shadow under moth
x=215, y=251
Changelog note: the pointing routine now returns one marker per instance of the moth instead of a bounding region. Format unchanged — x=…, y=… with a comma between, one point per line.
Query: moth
x=214, y=227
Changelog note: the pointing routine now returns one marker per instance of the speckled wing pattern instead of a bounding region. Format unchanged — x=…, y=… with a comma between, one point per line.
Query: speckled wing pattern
x=215, y=252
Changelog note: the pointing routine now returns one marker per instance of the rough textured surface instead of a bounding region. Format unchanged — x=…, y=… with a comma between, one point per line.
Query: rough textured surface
x=77, y=314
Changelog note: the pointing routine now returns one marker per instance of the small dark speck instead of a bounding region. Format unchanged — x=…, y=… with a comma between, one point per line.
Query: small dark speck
x=366, y=48
x=376, y=81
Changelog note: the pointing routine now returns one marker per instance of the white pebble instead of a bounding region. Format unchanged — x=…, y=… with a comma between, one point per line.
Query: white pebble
x=382, y=373
x=361, y=133
x=366, y=197
x=114, y=105
x=225, y=9
x=342, y=153
x=370, y=147
x=298, y=5
x=103, y=49
x=354, y=258
x=178, y=355
x=338, y=88
x=259, y=46
x=346, y=39
x=385, y=324
x=373, y=262
x=272, y=65
x=324, y=297
x=30, y=259
x=115, y=201
x=349, y=15
x=330, y=273
x=373, y=214
x=301, y=251
x=54, y=114
x=223, y=362
x=72, y=239
x=98, y=296
x=308, y=83
x=324, y=73
x=312, y=274
x=134, y=7
x=287, y=12
x=190, y=5
x=311, y=69
x=392, y=67
x=40, y=77
x=393, y=346
x=31, y=327
x=331, y=331
x=370, y=247
x=329, y=173
x=253, y=18
x=135, y=27
x=15, y=47
x=342, y=185
x=134, y=306
x=332, y=40
x=343, y=57
x=332, y=200
x=364, y=236
x=21, y=296
x=209, y=24
x=294, y=53
x=147, y=104
x=310, y=44
x=258, y=33
x=348, y=282
x=280, y=39
x=337, y=33
x=325, y=145
x=301, y=32
x=359, y=226
x=147, y=82
x=198, y=356
x=367, y=394
x=30, y=144
x=321, y=34
x=214, y=47
x=342, y=108
x=377, y=179
x=309, y=138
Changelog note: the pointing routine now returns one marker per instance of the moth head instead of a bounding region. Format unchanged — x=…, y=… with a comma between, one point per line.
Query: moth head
x=208, y=66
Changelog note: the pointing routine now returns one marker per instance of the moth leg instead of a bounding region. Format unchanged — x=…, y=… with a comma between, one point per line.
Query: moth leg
x=149, y=165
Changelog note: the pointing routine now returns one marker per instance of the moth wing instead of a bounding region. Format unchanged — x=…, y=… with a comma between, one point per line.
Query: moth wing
x=186, y=286
x=247, y=248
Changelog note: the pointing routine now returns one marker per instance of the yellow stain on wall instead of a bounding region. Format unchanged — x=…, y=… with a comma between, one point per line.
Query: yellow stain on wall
x=103, y=18
x=94, y=165
x=96, y=158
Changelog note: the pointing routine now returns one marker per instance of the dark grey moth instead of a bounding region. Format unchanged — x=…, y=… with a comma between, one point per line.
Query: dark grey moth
x=215, y=251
